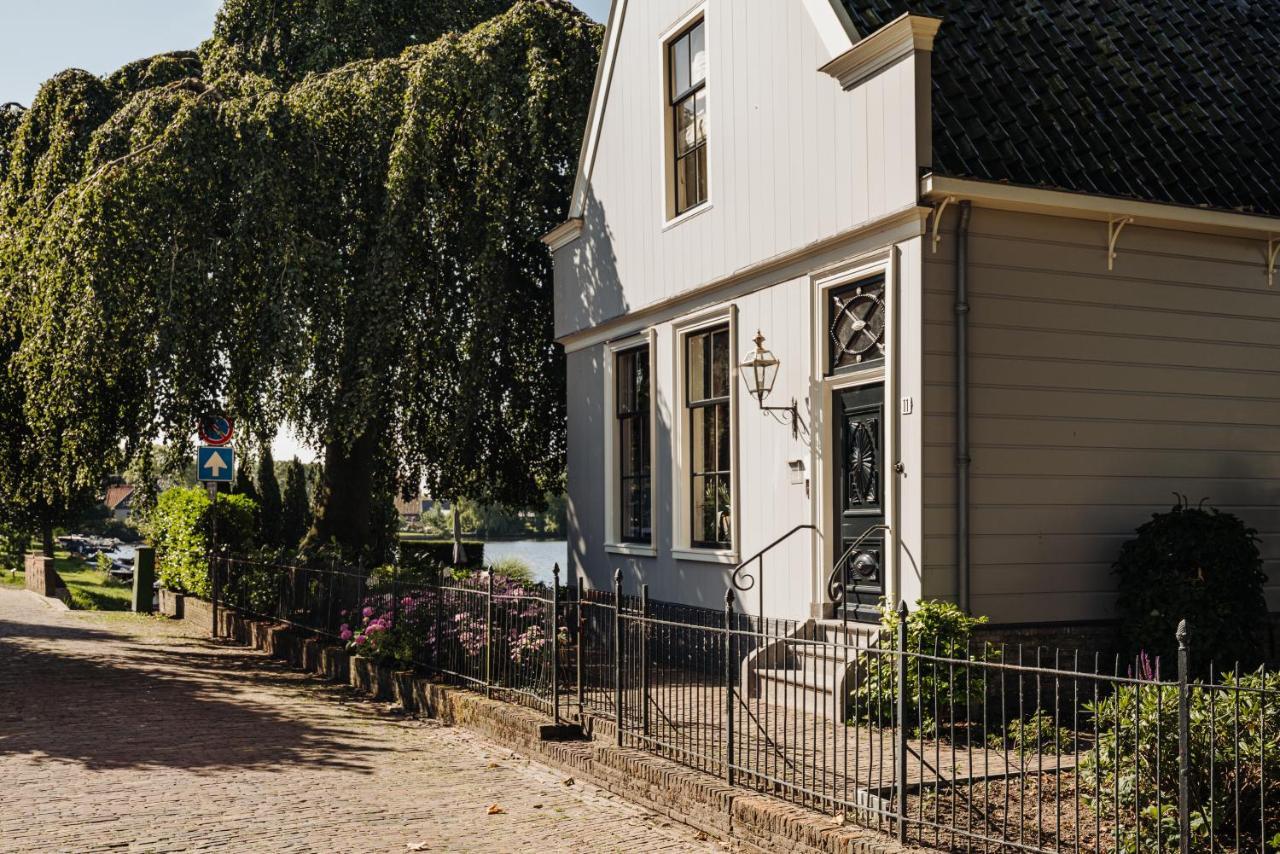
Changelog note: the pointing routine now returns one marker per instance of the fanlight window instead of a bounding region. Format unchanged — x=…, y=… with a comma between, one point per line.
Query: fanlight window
x=857, y=324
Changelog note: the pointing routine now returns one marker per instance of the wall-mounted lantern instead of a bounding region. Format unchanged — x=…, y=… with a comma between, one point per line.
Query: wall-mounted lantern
x=759, y=372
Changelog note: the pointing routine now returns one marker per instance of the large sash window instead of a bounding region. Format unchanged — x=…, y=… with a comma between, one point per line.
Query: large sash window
x=710, y=371
x=635, y=462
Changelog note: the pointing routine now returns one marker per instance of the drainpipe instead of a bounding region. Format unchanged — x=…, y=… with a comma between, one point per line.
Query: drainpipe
x=962, y=408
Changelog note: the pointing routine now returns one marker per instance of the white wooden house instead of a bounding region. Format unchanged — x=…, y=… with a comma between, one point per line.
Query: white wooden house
x=1016, y=266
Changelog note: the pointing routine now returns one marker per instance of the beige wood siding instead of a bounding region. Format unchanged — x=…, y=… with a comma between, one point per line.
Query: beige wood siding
x=793, y=159
x=1095, y=396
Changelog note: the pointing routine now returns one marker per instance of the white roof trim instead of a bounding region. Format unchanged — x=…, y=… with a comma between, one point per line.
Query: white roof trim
x=1023, y=199
x=595, y=117
x=832, y=20
x=834, y=25
x=563, y=234
x=897, y=39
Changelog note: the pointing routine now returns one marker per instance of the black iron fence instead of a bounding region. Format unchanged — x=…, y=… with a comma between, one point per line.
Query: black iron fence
x=971, y=747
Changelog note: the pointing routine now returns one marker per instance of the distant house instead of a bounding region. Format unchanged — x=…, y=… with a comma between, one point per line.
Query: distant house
x=411, y=509
x=1015, y=263
x=119, y=501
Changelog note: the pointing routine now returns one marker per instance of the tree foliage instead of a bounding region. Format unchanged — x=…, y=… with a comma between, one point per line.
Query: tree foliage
x=181, y=529
x=329, y=215
x=296, y=506
x=269, y=500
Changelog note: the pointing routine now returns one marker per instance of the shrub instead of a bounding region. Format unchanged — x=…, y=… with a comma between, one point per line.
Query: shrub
x=513, y=569
x=1234, y=745
x=420, y=554
x=1037, y=734
x=179, y=529
x=415, y=626
x=934, y=628
x=103, y=564
x=1197, y=565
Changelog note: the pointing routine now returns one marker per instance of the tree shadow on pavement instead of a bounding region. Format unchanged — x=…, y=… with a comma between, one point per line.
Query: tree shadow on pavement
x=82, y=695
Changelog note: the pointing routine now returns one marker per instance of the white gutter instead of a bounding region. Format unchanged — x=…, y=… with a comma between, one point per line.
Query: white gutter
x=1021, y=199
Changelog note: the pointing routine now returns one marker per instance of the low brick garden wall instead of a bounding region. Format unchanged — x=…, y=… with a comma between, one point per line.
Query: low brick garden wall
x=42, y=578
x=744, y=820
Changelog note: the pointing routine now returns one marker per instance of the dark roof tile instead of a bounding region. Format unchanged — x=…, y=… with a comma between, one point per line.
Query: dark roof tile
x=1167, y=100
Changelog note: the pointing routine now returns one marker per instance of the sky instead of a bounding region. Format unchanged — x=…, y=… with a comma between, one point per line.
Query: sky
x=39, y=38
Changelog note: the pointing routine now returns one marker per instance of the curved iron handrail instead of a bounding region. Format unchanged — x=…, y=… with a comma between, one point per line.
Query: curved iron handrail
x=834, y=592
x=745, y=582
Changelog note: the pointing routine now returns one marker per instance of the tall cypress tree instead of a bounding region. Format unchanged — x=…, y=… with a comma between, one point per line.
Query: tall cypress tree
x=295, y=515
x=269, y=500
x=244, y=480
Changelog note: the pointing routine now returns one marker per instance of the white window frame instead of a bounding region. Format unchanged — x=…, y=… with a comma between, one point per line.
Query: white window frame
x=613, y=464
x=880, y=262
x=667, y=125
x=681, y=463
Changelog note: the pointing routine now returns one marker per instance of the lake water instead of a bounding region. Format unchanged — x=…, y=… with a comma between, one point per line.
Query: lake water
x=541, y=555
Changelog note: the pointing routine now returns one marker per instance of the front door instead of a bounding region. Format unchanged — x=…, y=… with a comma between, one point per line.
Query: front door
x=859, y=442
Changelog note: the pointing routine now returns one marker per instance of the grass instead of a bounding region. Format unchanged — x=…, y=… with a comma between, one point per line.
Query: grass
x=90, y=588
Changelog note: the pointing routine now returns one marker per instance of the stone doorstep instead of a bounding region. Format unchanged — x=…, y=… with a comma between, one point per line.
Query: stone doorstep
x=744, y=820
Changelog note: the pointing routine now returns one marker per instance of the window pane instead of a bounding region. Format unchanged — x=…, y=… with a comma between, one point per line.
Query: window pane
x=720, y=367
x=698, y=53
x=642, y=380
x=701, y=157
x=724, y=523
x=704, y=510
x=712, y=525
x=697, y=370
x=699, y=120
x=632, y=450
x=723, y=461
x=633, y=381
x=679, y=66
x=626, y=378
x=686, y=125
x=703, y=423
x=635, y=510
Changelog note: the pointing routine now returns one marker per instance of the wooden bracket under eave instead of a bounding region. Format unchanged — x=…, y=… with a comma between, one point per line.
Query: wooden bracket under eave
x=937, y=221
x=1115, y=225
x=1273, y=251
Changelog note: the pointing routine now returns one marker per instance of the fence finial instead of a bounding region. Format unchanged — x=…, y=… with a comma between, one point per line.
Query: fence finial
x=728, y=596
x=1182, y=634
x=902, y=608
x=617, y=575
x=555, y=573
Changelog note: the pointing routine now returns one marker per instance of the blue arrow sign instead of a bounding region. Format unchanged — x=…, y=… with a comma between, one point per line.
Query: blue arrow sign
x=215, y=465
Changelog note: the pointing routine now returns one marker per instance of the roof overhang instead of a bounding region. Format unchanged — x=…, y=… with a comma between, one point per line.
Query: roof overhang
x=896, y=40
x=1024, y=199
x=563, y=234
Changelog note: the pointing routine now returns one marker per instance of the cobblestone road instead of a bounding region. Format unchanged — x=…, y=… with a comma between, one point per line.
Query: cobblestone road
x=130, y=734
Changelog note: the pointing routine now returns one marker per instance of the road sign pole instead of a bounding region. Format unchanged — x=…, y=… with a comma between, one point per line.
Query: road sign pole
x=213, y=553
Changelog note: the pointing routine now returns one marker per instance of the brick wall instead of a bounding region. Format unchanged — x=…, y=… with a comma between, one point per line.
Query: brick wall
x=41, y=577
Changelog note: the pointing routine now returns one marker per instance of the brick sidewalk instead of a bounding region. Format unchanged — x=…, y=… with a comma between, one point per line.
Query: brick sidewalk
x=126, y=733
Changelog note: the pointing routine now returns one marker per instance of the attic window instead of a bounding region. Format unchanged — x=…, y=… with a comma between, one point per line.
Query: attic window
x=687, y=85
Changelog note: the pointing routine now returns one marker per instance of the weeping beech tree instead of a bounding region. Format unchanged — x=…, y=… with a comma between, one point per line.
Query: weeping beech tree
x=326, y=216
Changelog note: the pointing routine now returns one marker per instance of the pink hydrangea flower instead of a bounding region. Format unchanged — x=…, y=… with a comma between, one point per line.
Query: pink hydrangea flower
x=368, y=612
x=345, y=634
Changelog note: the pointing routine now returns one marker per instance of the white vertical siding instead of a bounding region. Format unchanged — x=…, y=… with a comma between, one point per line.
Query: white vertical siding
x=1095, y=396
x=793, y=159
x=770, y=505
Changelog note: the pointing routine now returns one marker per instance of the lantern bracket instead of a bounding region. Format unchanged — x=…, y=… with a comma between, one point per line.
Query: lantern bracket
x=793, y=409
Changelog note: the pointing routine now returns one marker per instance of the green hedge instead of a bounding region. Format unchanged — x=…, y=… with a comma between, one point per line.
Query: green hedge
x=421, y=554
x=179, y=529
